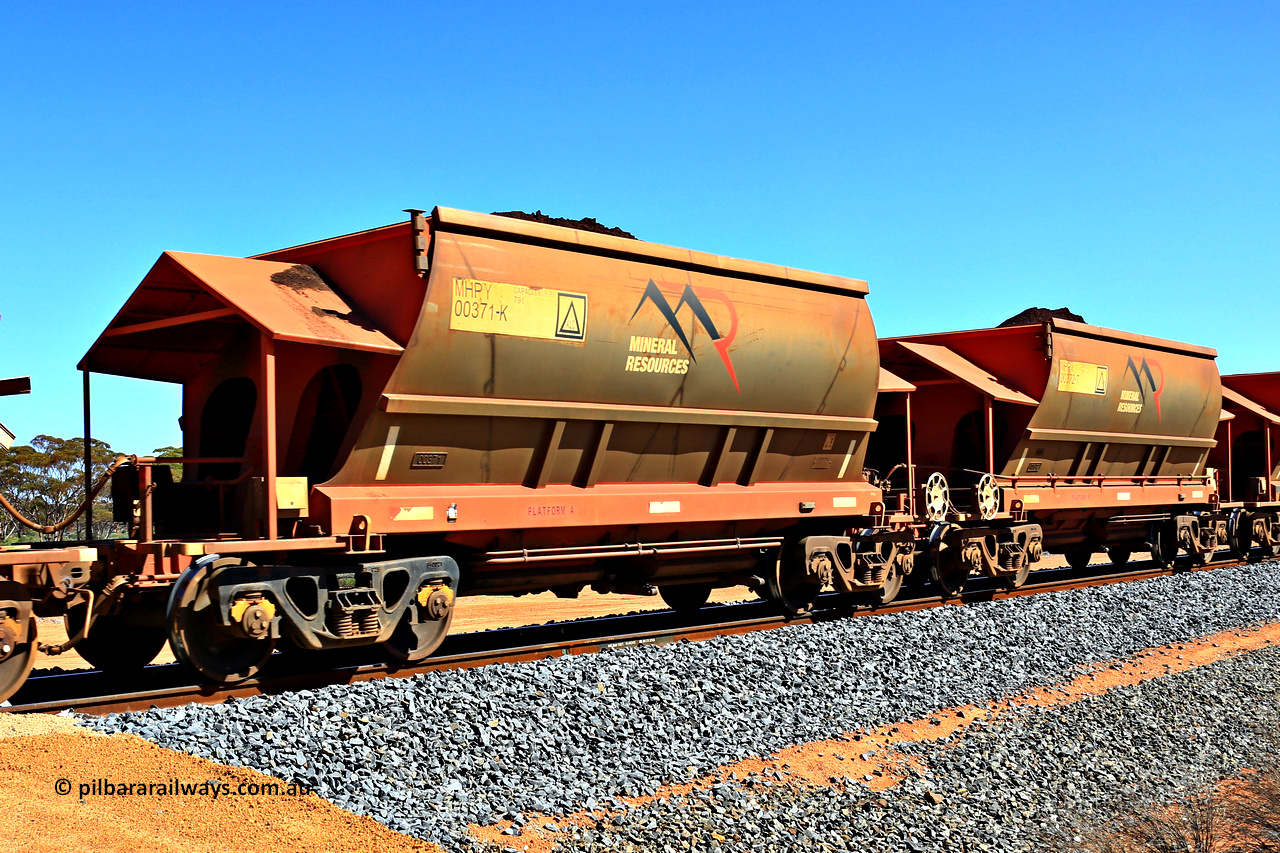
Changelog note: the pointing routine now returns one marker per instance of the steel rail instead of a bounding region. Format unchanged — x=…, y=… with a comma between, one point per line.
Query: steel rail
x=169, y=685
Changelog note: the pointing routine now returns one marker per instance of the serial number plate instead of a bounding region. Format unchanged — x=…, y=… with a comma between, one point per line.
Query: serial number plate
x=428, y=460
x=498, y=308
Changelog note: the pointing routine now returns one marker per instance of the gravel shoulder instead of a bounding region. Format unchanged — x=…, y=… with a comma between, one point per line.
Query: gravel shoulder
x=914, y=763
x=430, y=755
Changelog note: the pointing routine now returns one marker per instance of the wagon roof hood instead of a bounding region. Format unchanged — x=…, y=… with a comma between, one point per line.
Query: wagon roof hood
x=188, y=306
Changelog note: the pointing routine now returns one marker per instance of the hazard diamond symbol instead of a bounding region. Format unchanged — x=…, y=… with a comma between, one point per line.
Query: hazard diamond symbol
x=571, y=317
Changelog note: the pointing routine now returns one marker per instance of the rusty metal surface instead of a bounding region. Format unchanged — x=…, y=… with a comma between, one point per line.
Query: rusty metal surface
x=1109, y=391
x=468, y=222
x=1240, y=401
x=288, y=301
x=891, y=383
x=499, y=508
x=966, y=371
x=374, y=270
x=25, y=555
x=735, y=343
x=191, y=299
x=550, y=363
x=1142, y=341
x=1261, y=388
x=1249, y=447
x=1118, y=494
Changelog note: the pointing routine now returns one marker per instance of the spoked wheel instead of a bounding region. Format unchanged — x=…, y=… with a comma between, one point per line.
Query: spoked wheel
x=1118, y=556
x=114, y=645
x=686, y=597
x=221, y=653
x=1240, y=535
x=788, y=587
x=986, y=497
x=423, y=626
x=949, y=571
x=937, y=497
x=16, y=659
x=1078, y=558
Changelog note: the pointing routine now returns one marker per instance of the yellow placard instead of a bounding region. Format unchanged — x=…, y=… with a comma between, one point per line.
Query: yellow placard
x=1080, y=377
x=498, y=308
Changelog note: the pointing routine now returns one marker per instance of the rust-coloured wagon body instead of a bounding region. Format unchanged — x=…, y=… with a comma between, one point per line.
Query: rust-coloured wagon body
x=1247, y=451
x=1248, y=461
x=1082, y=430
x=549, y=380
x=470, y=404
x=552, y=384
x=466, y=403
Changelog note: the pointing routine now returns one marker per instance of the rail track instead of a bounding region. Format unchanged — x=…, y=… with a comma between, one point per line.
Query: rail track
x=171, y=685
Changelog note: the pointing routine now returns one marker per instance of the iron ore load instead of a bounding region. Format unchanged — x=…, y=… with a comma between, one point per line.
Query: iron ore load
x=468, y=404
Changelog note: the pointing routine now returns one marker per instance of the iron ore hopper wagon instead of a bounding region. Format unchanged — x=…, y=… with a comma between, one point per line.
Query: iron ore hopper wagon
x=459, y=404
x=467, y=404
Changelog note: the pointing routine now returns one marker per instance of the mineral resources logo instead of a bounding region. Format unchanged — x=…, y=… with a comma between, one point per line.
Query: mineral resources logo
x=658, y=349
x=1133, y=401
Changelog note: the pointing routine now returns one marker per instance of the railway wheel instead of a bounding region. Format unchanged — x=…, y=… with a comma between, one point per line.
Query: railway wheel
x=788, y=585
x=1240, y=535
x=414, y=640
x=1164, y=547
x=1118, y=556
x=1199, y=552
x=114, y=645
x=892, y=584
x=16, y=659
x=1018, y=578
x=686, y=597
x=221, y=653
x=949, y=570
x=1078, y=557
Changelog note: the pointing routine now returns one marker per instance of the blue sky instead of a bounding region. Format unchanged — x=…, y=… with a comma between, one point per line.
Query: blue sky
x=968, y=160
